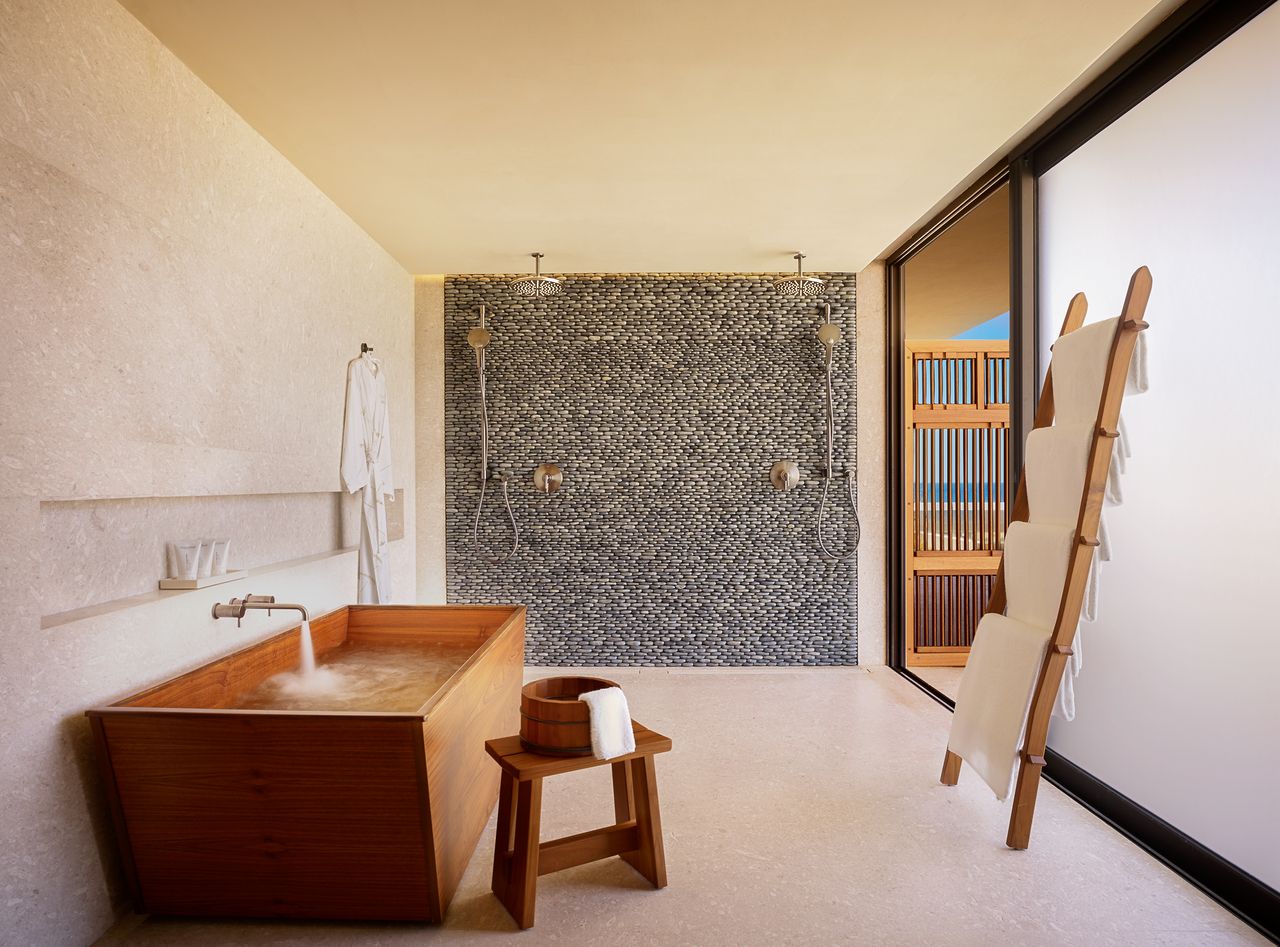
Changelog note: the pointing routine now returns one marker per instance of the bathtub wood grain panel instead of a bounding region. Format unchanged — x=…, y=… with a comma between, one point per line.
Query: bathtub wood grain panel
x=462, y=783
x=217, y=684
x=278, y=813
x=106, y=773
x=247, y=819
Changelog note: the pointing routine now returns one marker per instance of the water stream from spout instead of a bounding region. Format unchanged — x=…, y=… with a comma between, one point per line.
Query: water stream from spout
x=307, y=665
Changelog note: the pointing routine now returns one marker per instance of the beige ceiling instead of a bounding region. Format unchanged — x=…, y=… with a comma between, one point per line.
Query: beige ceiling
x=961, y=279
x=669, y=135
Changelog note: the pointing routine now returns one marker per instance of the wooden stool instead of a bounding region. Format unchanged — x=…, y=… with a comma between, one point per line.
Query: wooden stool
x=518, y=858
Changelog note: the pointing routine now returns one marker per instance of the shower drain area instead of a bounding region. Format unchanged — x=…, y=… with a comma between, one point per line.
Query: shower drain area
x=665, y=399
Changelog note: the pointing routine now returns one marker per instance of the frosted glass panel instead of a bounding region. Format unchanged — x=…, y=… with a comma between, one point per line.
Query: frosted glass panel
x=1179, y=696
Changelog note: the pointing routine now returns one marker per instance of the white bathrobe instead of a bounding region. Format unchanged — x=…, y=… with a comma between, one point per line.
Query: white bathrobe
x=366, y=466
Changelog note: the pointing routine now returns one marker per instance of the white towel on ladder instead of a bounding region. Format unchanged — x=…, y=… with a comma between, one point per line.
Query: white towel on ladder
x=989, y=725
x=1056, y=459
x=995, y=692
x=611, y=732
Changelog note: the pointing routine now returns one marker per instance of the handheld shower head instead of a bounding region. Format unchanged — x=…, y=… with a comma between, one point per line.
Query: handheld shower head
x=828, y=333
x=480, y=336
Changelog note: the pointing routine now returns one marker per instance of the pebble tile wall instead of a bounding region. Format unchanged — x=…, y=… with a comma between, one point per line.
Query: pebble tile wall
x=665, y=399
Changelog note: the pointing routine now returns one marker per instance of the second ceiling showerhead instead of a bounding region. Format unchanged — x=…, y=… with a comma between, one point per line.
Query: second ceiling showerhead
x=799, y=283
x=536, y=285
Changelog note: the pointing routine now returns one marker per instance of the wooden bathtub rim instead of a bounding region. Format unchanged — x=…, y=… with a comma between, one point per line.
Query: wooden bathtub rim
x=388, y=715
x=127, y=705
x=490, y=642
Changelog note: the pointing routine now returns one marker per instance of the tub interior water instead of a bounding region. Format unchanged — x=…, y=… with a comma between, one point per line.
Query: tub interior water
x=392, y=678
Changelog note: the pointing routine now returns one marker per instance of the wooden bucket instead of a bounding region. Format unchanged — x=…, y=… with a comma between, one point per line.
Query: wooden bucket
x=553, y=720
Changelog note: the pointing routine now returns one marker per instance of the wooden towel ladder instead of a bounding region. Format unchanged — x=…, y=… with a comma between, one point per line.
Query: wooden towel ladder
x=1031, y=756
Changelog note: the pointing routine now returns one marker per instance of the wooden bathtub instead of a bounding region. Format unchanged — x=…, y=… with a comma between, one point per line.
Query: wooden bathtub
x=318, y=814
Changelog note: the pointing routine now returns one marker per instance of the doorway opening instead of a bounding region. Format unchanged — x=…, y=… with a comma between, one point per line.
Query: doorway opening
x=955, y=448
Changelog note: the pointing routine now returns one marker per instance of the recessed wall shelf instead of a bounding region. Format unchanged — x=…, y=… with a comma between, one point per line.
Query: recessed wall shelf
x=208, y=580
x=146, y=598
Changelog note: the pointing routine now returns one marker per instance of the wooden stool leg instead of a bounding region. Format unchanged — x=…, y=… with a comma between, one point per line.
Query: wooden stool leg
x=950, y=769
x=523, y=890
x=503, y=846
x=649, y=859
x=623, y=793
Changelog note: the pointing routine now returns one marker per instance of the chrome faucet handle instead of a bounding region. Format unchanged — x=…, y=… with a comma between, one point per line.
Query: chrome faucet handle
x=233, y=609
x=261, y=600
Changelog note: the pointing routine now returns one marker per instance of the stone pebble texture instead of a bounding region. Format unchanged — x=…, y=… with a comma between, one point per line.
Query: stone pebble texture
x=665, y=399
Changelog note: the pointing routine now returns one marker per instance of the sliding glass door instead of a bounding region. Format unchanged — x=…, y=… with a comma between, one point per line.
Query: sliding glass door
x=955, y=475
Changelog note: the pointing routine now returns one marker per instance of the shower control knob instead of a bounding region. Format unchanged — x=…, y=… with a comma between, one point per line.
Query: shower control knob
x=547, y=478
x=785, y=475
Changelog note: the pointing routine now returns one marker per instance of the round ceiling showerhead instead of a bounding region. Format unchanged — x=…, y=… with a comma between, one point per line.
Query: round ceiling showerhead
x=536, y=285
x=800, y=284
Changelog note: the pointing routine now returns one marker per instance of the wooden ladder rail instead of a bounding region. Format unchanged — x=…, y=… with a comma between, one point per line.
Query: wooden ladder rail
x=1031, y=756
x=1076, y=310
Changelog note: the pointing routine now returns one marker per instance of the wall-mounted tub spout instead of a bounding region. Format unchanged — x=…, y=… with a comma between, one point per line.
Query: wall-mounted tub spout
x=237, y=607
x=829, y=336
x=479, y=339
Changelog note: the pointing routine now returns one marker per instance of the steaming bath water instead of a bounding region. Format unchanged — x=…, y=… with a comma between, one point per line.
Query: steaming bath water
x=376, y=677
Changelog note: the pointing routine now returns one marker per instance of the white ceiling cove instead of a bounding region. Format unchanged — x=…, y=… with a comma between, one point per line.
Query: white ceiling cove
x=666, y=136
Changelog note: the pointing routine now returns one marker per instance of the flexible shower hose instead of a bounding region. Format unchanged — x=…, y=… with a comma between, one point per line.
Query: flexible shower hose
x=484, y=474
x=827, y=477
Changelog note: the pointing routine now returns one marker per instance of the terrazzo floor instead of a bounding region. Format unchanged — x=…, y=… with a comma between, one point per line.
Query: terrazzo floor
x=801, y=807
x=946, y=680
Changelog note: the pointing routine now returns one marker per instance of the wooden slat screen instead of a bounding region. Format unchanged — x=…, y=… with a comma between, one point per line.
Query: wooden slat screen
x=948, y=607
x=959, y=484
x=946, y=380
x=997, y=372
x=957, y=456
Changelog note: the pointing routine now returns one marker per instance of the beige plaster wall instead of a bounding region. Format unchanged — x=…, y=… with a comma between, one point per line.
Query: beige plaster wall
x=179, y=304
x=961, y=279
x=429, y=388
x=871, y=464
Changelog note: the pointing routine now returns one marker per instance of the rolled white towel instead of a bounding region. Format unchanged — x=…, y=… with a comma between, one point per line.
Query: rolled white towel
x=611, y=733
x=1138, y=380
